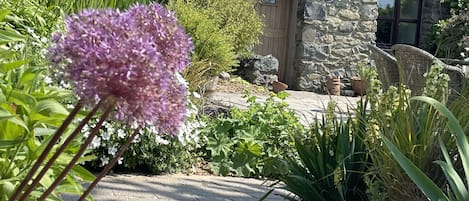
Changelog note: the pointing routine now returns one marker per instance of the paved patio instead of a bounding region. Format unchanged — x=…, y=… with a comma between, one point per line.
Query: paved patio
x=178, y=187
x=307, y=105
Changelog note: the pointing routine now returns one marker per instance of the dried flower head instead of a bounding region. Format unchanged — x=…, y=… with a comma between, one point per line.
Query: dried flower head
x=134, y=56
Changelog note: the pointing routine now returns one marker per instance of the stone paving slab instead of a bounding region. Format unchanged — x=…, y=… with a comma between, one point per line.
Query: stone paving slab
x=179, y=187
x=307, y=105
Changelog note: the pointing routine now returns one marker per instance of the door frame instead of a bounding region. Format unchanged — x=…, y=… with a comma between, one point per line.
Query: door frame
x=289, y=72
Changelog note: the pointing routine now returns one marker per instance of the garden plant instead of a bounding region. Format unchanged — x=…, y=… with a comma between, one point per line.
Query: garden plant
x=134, y=82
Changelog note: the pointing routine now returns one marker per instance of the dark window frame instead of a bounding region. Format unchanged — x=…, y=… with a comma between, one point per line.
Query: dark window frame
x=395, y=19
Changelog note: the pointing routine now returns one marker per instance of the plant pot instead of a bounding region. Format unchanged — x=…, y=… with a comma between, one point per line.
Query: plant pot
x=279, y=86
x=333, y=86
x=359, y=85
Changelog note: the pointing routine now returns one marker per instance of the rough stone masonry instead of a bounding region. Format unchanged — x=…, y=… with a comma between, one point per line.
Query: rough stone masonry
x=331, y=39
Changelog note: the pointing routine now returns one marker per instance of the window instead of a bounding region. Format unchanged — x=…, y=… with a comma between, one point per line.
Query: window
x=398, y=22
x=269, y=1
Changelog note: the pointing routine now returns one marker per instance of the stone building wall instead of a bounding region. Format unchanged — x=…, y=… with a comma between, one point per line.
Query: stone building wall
x=331, y=39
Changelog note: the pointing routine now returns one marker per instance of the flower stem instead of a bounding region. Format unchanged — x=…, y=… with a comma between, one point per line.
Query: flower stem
x=61, y=149
x=83, y=147
x=47, y=150
x=110, y=164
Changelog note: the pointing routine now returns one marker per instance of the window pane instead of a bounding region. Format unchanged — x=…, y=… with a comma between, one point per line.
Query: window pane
x=384, y=32
x=386, y=8
x=269, y=1
x=407, y=33
x=409, y=9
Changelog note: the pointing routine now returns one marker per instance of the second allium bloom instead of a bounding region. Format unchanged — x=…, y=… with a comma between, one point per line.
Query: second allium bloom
x=134, y=56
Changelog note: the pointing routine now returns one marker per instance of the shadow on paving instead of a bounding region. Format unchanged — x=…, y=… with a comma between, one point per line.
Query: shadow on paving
x=181, y=187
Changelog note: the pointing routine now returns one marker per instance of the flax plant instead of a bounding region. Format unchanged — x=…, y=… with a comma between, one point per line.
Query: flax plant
x=458, y=184
x=413, y=128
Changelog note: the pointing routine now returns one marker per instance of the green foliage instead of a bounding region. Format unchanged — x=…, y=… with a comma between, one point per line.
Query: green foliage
x=30, y=113
x=78, y=5
x=149, y=153
x=332, y=161
x=238, y=20
x=453, y=36
x=412, y=128
x=249, y=142
x=457, y=5
x=459, y=190
x=213, y=51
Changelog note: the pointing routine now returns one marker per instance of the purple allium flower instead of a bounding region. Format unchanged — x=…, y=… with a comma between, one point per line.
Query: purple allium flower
x=134, y=56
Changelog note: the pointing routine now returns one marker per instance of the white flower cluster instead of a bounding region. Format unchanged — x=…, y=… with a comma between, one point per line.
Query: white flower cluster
x=106, y=143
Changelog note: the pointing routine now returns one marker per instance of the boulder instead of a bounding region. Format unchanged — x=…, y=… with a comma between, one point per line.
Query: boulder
x=259, y=70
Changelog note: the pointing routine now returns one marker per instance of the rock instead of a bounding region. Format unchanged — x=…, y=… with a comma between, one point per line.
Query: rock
x=224, y=75
x=259, y=70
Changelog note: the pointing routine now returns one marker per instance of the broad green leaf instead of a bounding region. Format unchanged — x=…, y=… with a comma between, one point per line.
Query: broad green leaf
x=425, y=184
x=83, y=173
x=4, y=13
x=5, y=67
x=5, y=115
x=19, y=122
x=49, y=107
x=11, y=36
x=20, y=98
x=43, y=131
x=455, y=181
x=219, y=144
x=10, y=143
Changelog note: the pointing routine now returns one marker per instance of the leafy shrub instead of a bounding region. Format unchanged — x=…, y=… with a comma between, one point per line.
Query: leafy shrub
x=453, y=35
x=248, y=142
x=222, y=31
x=331, y=163
x=213, y=52
x=238, y=20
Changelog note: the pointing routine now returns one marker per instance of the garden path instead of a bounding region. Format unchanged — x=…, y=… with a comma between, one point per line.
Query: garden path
x=179, y=187
x=307, y=105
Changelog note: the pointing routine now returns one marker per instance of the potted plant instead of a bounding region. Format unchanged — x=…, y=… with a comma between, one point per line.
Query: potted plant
x=359, y=83
x=333, y=85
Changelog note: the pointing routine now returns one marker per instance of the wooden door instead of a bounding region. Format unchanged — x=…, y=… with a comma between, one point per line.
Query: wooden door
x=274, y=41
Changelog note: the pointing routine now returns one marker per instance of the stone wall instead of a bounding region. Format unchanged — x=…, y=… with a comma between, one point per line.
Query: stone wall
x=331, y=39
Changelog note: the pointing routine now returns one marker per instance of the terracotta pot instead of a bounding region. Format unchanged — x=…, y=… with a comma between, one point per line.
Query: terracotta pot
x=279, y=86
x=333, y=86
x=359, y=86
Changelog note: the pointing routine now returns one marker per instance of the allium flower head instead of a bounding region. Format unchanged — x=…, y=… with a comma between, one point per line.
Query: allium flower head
x=134, y=56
